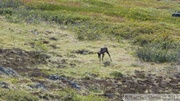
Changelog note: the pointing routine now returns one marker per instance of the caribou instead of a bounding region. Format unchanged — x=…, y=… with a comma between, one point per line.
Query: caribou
x=102, y=51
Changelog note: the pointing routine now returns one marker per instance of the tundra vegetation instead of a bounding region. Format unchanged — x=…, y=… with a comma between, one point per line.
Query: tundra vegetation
x=50, y=48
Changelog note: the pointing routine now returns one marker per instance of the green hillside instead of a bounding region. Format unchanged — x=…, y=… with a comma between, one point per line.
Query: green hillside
x=52, y=45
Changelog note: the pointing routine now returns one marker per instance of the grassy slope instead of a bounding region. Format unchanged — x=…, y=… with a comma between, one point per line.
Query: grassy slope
x=123, y=59
x=118, y=13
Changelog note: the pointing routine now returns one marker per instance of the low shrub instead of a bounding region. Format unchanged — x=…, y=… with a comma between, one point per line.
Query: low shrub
x=6, y=11
x=144, y=39
x=10, y=3
x=107, y=63
x=157, y=53
x=116, y=74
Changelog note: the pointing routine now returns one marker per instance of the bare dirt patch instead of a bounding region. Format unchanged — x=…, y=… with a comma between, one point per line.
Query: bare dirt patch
x=115, y=88
x=140, y=83
x=20, y=58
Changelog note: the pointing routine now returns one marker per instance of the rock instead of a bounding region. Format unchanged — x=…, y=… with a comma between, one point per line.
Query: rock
x=37, y=86
x=8, y=71
x=53, y=38
x=34, y=31
x=74, y=85
x=177, y=14
x=4, y=85
x=56, y=77
x=3, y=71
x=109, y=95
x=83, y=52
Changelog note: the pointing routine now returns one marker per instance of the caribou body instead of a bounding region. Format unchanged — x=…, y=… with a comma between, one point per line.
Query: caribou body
x=102, y=51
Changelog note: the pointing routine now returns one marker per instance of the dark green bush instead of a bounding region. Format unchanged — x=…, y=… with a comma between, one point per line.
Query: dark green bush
x=116, y=74
x=6, y=11
x=10, y=3
x=157, y=53
x=107, y=63
x=143, y=39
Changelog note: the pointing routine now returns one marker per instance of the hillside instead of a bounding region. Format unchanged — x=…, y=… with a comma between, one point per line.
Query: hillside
x=48, y=49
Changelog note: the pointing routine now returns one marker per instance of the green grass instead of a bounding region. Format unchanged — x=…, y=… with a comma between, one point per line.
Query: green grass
x=71, y=95
x=17, y=96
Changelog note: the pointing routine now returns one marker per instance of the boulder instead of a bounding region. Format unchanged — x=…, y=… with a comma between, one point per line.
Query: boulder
x=56, y=77
x=177, y=14
x=8, y=71
x=4, y=85
x=37, y=86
